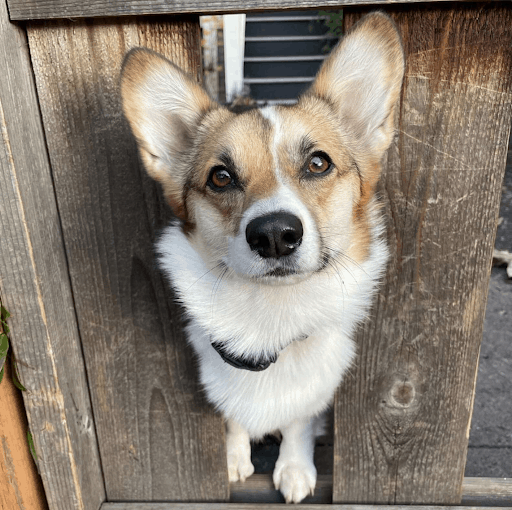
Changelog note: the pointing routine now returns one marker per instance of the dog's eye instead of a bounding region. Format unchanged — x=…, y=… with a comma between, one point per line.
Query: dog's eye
x=319, y=163
x=220, y=178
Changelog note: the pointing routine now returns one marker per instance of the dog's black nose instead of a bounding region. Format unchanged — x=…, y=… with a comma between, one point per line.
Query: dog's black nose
x=274, y=235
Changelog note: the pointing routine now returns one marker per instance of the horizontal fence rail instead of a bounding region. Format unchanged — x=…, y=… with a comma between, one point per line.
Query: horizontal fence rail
x=267, y=19
x=289, y=38
x=46, y=9
x=476, y=491
x=290, y=79
x=293, y=58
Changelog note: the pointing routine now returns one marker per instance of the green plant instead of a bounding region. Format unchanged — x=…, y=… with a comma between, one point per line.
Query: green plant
x=334, y=20
x=4, y=341
x=4, y=348
x=30, y=440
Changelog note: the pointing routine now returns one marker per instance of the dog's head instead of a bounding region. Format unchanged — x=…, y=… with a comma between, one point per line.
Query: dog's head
x=273, y=194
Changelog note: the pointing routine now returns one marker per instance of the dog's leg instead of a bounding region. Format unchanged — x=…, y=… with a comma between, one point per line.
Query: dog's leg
x=295, y=472
x=238, y=448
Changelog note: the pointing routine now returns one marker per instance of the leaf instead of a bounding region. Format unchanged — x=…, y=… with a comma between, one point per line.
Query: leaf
x=334, y=21
x=4, y=344
x=31, y=445
x=4, y=314
x=32, y=448
x=16, y=376
x=4, y=347
x=4, y=341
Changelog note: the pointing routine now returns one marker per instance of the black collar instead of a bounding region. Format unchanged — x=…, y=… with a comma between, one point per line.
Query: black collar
x=237, y=362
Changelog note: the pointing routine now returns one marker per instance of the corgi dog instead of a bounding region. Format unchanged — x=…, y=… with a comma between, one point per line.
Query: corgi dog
x=278, y=244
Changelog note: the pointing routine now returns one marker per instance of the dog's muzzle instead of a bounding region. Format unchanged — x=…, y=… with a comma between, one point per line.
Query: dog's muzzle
x=237, y=362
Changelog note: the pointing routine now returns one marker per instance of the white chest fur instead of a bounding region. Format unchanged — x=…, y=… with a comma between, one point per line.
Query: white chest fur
x=252, y=318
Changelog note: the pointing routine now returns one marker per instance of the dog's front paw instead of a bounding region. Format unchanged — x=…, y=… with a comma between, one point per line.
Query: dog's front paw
x=239, y=467
x=295, y=480
x=239, y=462
x=238, y=449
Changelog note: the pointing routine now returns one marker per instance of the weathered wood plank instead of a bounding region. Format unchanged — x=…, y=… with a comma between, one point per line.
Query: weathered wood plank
x=157, y=438
x=487, y=491
x=211, y=27
x=35, y=288
x=260, y=489
x=403, y=416
x=46, y=9
x=256, y=506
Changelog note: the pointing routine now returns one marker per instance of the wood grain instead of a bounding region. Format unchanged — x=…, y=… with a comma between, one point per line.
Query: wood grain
x=158, y=440
x=487, y=492
x=259, y=488
x=46, y=9
x=35, y=288
x=403, y=415
x=256, y=506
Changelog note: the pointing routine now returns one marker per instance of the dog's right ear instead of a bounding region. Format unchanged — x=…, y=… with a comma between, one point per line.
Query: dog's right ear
x=164, y=107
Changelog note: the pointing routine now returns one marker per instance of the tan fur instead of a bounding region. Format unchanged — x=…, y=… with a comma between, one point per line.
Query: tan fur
x=142, y=73
x=245, y=137
x=313, y=118
x=385, y=44
x=382, y=43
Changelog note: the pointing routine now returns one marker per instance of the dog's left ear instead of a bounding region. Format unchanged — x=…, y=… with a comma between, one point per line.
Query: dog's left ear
x=362, y=78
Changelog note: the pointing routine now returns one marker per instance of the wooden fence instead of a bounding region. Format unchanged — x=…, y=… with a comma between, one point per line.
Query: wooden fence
x=112, y=399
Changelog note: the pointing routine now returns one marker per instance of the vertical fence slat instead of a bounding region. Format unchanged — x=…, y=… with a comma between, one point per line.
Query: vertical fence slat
x=402, y=418
x=35, y=288
x=158, y=440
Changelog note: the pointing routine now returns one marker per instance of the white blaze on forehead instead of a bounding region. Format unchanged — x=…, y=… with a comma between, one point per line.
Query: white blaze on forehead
x=272, y=115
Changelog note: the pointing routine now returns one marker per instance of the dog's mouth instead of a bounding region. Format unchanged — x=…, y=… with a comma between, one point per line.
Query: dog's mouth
x=280, y=272
x=284, y=272
x=238, y=362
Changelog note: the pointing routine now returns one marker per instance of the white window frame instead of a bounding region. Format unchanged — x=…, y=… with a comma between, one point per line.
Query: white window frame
x=234, y=45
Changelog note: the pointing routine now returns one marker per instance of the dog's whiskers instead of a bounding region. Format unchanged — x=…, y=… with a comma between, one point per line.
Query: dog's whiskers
x=339, y=254
x=216, y=286
x=335, y=257
x=220, y=264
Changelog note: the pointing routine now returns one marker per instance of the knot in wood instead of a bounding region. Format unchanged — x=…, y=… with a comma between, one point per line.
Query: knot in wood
x=402, y=394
